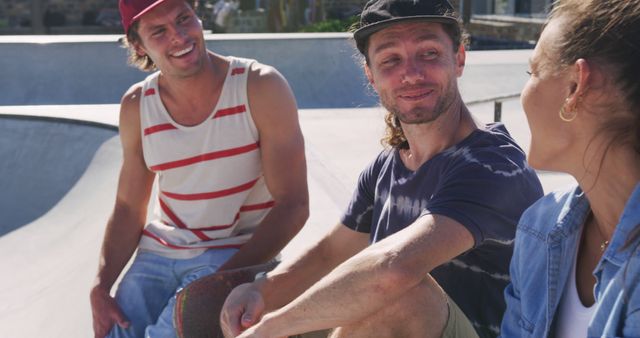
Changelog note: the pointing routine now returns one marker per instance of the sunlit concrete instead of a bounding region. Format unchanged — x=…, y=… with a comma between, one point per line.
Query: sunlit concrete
x=48, y=263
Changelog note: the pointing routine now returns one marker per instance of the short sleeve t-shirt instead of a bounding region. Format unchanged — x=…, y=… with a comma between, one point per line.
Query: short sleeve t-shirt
x=484, y=184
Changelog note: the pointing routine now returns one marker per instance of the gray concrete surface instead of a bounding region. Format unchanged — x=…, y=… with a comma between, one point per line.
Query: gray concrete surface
x=90, y=69
x=49, y=262
x=37, y=177
x=320, y=67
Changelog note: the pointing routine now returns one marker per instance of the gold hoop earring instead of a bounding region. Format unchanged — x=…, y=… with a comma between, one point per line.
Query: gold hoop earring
x=564, y=118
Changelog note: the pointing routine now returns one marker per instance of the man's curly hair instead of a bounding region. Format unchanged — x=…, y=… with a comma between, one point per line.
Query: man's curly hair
x=394, y=136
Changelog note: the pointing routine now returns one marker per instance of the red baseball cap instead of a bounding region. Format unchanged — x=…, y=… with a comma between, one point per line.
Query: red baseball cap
x=132, y=10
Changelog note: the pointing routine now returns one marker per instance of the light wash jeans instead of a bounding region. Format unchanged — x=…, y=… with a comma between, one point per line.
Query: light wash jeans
x=147, y=292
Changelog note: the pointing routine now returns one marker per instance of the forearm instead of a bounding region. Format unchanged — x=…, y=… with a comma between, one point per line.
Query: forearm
x=296, y=274
x=278, y=227
x=121, y=239
x=292, y=277
x=372, y=279
x=124, y=228
x=358, y=287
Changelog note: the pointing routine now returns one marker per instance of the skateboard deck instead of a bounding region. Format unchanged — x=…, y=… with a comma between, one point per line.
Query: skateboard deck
x=198, y=305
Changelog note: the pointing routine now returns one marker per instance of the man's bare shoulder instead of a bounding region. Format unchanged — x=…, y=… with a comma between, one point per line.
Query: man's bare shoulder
x=270, y=97
x=267, y=88
x=130, y=110
x=132, y=95
x=265, y=80
x=130, y=103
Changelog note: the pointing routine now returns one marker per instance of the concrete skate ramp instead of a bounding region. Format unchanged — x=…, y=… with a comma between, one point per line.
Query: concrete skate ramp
x=320, y=67
x=58, y=185
x=91, y=69
x=42, y=159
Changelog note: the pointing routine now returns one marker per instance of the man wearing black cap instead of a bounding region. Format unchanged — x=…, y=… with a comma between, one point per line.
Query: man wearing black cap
x=221, y=136
x=423, y=249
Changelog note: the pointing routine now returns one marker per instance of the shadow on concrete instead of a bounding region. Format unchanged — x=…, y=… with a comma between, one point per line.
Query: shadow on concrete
x=42, y=158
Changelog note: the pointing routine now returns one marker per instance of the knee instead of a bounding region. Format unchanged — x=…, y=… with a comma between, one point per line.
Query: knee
x=425, y=300
x=420, y=312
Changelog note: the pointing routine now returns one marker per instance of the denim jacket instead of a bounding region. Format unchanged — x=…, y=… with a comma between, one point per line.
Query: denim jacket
x=548, y=235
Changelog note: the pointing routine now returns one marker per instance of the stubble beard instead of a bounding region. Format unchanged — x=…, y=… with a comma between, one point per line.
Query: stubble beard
x=421, y=115
x=195, y=69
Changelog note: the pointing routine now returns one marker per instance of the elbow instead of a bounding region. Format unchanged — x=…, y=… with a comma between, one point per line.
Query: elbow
x=294, y=211
x=302, y=212
x=125, y=213
x=300, y=206
x=297, y=209
x=395, y=272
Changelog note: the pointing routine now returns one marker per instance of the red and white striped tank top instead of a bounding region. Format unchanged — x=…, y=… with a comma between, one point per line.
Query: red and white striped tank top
x=211, y=191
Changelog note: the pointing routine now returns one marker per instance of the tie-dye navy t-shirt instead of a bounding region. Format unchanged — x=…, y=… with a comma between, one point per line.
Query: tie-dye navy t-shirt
x=484, y=184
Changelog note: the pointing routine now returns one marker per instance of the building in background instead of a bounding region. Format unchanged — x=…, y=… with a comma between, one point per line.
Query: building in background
x=492, y=23
x=521, y=8
x=59, y=16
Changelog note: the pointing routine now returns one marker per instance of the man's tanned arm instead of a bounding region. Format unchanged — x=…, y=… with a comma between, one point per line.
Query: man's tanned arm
x=247, y=303
x=127, y=221
x=273, y=109
x=375, y=277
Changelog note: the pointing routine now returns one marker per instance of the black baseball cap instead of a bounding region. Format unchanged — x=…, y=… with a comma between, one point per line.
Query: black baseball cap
x=379, y=14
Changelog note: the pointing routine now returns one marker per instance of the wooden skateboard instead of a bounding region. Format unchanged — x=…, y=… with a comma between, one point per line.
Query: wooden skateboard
x=198, y=305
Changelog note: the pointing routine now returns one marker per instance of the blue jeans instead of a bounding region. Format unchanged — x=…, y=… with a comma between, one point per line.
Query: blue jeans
x=147, y=292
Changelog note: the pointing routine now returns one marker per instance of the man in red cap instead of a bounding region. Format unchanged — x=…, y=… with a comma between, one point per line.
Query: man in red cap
x=221, y=135
x=423, y=249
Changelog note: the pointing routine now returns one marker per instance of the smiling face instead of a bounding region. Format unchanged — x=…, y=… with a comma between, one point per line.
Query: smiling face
x=414, y=69
x=171, y=35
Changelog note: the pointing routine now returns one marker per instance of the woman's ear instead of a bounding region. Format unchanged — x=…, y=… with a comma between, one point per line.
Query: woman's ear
x=580, y=81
